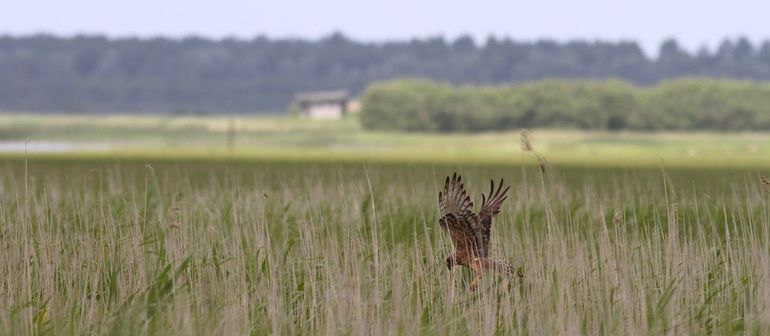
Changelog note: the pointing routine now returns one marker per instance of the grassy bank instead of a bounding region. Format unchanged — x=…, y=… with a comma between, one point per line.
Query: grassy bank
x=293, y=139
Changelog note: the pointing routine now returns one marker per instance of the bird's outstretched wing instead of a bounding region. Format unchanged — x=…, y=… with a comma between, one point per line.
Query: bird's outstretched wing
x=457, y=216
x=490, y=206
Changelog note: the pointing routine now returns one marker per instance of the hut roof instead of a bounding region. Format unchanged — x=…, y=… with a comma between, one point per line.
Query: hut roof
x=316, y=96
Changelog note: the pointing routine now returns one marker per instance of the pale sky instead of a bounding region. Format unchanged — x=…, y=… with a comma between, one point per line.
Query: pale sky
x=693, y=23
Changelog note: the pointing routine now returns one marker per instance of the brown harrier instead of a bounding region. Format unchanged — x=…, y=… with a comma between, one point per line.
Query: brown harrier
x=470, y=232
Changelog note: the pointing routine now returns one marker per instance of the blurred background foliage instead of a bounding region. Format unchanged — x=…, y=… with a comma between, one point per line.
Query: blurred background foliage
x=95, y=74
x=680, y=104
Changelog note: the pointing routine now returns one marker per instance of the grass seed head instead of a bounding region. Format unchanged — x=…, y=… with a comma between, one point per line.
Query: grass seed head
x=542, y=164
x=526, y=145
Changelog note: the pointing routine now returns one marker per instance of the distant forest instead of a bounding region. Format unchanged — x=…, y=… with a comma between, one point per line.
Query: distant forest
x=195, y=75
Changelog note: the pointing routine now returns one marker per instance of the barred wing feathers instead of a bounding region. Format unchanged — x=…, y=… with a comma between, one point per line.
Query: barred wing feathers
x=457, y=217
x=490, y=206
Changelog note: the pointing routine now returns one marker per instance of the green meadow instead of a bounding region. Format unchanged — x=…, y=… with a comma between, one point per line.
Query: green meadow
x=248, y=138
x=320, y=227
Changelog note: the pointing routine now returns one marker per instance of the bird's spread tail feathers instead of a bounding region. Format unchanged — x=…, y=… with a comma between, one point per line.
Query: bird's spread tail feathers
x=499, y=267
x=496, y=266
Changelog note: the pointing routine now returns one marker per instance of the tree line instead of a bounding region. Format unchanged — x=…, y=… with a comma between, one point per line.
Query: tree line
x=678, y=104
x=197, y=75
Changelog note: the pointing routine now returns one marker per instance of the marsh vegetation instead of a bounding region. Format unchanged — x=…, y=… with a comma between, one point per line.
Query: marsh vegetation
x=196, y=247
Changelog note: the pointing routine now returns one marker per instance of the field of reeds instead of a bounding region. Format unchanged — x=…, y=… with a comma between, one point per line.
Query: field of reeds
x=232, y=248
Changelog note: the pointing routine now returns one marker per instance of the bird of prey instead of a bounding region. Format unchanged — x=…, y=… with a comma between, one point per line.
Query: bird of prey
x=469, y=231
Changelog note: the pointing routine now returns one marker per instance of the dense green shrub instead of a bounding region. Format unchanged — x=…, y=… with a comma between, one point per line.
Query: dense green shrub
x=683, y=104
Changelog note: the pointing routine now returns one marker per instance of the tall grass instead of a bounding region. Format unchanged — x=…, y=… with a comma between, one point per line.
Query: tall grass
x=194, y=248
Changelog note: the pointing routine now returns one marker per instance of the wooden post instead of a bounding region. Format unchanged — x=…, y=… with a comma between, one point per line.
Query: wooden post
x=231, y=136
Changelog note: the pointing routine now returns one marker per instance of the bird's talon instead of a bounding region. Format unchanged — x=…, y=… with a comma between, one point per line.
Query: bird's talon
x=474, y=285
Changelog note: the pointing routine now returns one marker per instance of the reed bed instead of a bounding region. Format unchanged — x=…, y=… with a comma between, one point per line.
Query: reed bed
x=113, y=247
